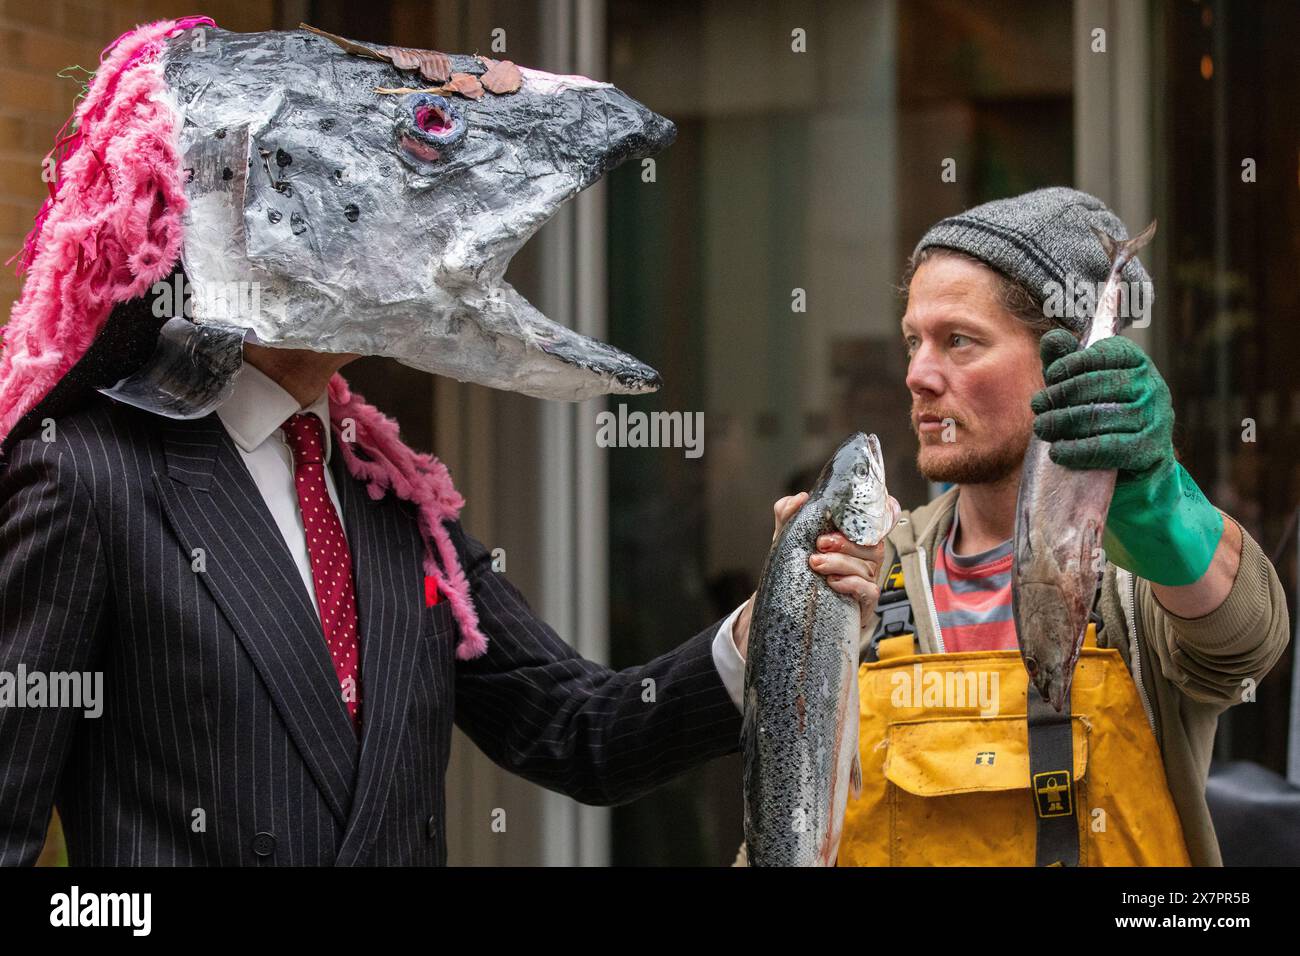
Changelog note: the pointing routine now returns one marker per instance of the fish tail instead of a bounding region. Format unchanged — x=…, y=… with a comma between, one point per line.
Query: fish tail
x=1121, y=251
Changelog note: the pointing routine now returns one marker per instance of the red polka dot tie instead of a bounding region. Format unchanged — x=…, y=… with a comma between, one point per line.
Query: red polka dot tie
x=331, y=561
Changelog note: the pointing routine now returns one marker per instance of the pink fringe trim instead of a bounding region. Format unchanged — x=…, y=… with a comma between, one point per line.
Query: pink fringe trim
x=112, y=226
x=415, y=477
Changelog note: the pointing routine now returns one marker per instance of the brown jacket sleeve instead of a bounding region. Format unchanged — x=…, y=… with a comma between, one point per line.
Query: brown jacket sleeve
x=1215, y=658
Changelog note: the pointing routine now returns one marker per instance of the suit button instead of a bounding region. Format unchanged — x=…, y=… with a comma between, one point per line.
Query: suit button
x=431, y=828
x=264, y=844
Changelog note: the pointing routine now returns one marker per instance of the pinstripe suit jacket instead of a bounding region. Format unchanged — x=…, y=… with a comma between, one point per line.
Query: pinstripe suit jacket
x=223, y=738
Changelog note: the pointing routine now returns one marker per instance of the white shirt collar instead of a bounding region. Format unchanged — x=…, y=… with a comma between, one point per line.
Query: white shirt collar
x=258, y=406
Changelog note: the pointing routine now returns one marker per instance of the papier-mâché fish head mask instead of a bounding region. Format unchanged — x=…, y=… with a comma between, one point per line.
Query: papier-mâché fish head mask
x=315, y=193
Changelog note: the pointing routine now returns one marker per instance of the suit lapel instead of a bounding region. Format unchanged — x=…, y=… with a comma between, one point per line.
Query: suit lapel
x=386, y=567
x=212, y=503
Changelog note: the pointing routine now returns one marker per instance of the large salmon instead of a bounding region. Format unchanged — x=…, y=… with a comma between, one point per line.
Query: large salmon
x=800, y=733
x=1060, y=517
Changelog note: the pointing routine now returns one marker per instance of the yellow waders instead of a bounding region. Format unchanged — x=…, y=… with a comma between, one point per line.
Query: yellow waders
x=945, y=769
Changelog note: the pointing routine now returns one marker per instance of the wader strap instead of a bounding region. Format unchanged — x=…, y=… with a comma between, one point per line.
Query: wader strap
x=893, y=611
x=1051, y=772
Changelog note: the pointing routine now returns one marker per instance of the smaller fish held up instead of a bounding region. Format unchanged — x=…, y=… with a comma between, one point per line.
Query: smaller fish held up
x=1060, y=518
x=799, y=739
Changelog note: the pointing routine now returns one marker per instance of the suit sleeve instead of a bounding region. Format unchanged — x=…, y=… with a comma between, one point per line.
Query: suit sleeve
x=52, y=591
x=604, y=737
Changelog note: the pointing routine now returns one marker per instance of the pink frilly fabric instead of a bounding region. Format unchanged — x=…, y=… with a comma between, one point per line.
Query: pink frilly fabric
x=415, y=477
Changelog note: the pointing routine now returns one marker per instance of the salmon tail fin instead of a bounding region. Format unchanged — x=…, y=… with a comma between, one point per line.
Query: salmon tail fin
x=855, y=777
x=1108, y=242
x=1121, y=251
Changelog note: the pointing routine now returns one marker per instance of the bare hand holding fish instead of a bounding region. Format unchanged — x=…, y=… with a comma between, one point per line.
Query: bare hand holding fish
x=849, y=568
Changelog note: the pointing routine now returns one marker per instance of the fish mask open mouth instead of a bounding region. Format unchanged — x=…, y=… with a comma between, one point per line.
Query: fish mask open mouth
x=354, y=198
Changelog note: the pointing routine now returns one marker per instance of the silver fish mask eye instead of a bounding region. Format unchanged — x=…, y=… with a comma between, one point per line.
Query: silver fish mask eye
x=429, y=128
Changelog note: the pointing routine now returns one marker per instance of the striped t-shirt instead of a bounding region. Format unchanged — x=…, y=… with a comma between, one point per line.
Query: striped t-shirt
x=972, y=595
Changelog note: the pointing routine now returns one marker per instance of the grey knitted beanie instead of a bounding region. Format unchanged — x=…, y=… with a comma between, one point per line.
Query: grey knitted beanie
x=1041, y=240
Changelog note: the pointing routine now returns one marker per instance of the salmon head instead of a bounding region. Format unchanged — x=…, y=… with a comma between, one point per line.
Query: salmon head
x=851, y=490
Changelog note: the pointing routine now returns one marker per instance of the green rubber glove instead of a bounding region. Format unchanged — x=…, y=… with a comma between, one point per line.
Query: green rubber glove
x=1107, y=407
